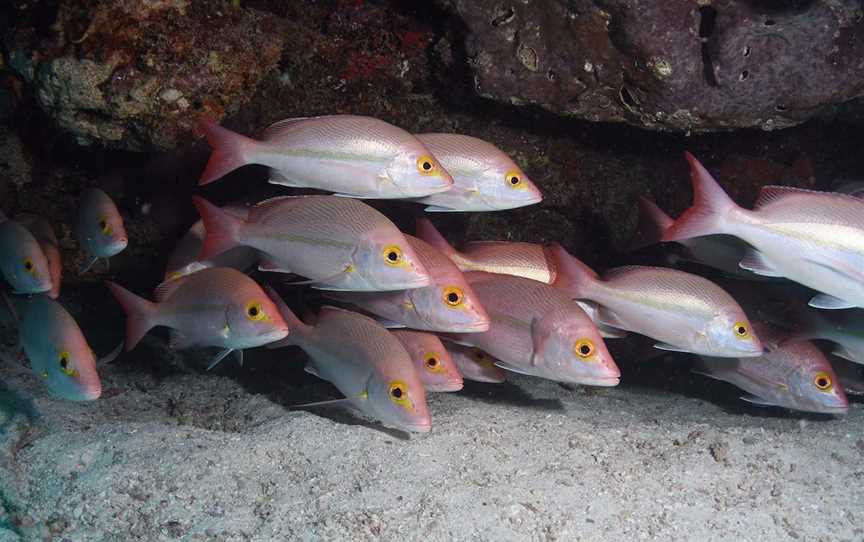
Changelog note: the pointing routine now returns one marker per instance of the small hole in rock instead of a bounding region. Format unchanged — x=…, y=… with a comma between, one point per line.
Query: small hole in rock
x=770, y=22
x=746, y=51
x=781, y=108
x=744, y=75
x=552, y=76
x=506, y=15
x=627, y=98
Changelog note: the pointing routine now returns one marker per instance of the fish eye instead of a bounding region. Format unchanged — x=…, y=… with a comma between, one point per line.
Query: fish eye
x=514, y=179
x=823, y=381
x=398, y=393
x=453, y=296
x=28, y=266
x=254, y=311
x=65, y=365
x=432, y=362
x=741, y=329
x=426, y=165
x=584, y=348
x=104, y=227
x=393, y=255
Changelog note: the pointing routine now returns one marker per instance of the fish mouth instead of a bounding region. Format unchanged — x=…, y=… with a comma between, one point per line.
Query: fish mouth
x=273, y=336
x=446, y=387
x=41, y=289
x=479, y=326
x=603, y=382
x=417, y=427
x=837, y=410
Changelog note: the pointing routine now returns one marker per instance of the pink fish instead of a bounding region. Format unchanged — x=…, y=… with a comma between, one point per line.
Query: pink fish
x=350, y=155
x=218, y=306
x=339, y=243
x=437, y=370
x=368, y=365
x=538, y=330
x=447, y=304
x=813, y=238
x=44, y=234
x=475, y=364
x=684, y=312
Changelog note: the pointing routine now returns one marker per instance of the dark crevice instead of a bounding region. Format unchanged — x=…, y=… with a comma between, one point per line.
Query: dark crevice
x=707, y=25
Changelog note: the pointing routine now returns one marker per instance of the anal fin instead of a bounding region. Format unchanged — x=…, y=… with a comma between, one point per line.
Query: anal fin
x=754, y=262
x=754, y=400
x=829, y=302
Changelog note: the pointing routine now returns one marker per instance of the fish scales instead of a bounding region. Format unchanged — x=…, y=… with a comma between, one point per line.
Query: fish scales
x=313, y=136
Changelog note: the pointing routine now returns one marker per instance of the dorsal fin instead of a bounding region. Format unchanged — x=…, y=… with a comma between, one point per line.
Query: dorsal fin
x=281, y=127
x=166, y=289
x=771, y=193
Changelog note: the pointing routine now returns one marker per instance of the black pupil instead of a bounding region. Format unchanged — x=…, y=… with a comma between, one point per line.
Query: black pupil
x=102, y=224
x=432, y=362
x=822, y=383
x=427, y=166
x=741, y=331
x=392, y=256
x=64, y=362
x=397, y=392
x=514, y=180
x=253, y=311
x=28, y=265
x=452, y=297
x=585, y=349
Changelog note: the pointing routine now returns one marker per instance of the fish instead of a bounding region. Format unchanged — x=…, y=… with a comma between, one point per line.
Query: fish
x=22, y=261
x=484, y=178
x=437, y=371
x=58, y=352
x=843, y=328
x=219, y=307
x=184, y=260
x=447, y=304
x=337, y=243
x=99, y=227
x=537, y=330
x=475, y=364
x=683, y=311
x=528, y=260
x=794, y=375
x=851, y=376
x=365, y=362
x=350, y=155
x=47, y=239
x=813, y=238
x=720, y=252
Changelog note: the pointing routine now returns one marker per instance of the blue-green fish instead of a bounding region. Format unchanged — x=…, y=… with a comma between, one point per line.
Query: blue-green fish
x=22, y=261
x=99, y=227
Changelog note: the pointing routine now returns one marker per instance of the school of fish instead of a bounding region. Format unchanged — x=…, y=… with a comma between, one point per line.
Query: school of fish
x=406, y=315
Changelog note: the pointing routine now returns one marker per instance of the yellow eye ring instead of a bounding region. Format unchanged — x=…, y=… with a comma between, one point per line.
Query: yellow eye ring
x=393, y=255
x=426, y=165
x=432, y=362
x=584, y=349
x=254, y=311
x=514, y=180
x=66, y=367
x=29, y=267
x=104, y=226
x=741, y=330
x=453, y=296
x=398, y=393
x=823, y=381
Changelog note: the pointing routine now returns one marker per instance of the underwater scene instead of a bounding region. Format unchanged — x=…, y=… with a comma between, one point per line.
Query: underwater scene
x=480, y=270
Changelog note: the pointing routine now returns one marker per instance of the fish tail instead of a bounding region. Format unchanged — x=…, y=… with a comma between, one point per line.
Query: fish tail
x=426, y=231
x=653, y=222
x=710, y=206
x=296, y=327
x=229, y=151
x=571, y=275
x=140, y=313
x=220, y=227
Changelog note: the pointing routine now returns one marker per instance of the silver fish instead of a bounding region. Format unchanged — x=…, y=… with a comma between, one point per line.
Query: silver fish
x=447, y=304
x=843, y=328
x=484, y=178
x=44, y=234
x=350, y=155
x=851, y=376
x=340, y=243
x=794, y=375
x=813, y=238
x=538, y=330
x=368, y=365
x=685, y=312
x=475, y=364
x=99, y=227
x=436, y=369
x=22, y=261
x=58, y=352
x=214, y=307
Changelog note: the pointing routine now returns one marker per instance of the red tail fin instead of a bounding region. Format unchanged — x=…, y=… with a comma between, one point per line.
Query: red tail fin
x=139, y=313
x=710, y=204
x=653, y=222
x=297, y=329
x=220, y=228
x=426, y=231
x=229, y=151
x=573, y=277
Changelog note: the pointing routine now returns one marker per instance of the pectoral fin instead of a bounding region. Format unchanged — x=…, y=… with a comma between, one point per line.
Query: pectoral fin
x=752, y=399
x=755, y=262
x=671, y=348
x=825, y=301
x=511, y=368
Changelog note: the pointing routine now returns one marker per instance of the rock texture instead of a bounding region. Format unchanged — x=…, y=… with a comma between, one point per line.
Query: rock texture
x=136, y=75
x=693, y=65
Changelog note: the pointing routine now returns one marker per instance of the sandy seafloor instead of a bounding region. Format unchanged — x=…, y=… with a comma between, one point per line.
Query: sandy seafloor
x=172, y=453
